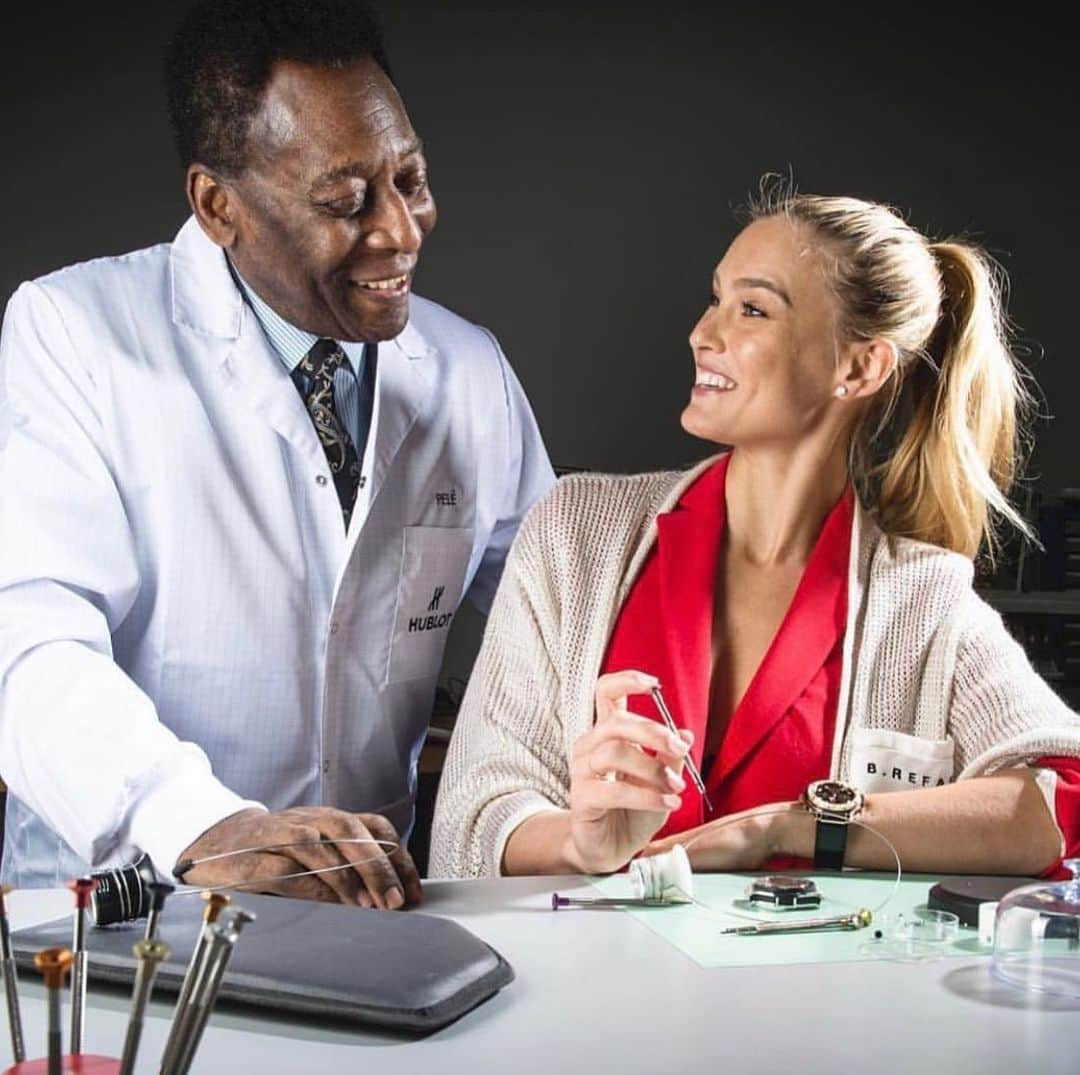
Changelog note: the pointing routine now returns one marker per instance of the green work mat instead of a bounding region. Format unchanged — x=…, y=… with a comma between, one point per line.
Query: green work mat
x=695, y=928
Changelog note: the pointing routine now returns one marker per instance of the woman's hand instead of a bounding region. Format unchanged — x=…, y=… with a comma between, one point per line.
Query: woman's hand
x=743, y=841
x=620, y=795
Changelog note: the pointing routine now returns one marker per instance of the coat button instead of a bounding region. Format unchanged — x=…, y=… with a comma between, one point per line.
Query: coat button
x=334, y=628
x=320, y=479
x=326, y=767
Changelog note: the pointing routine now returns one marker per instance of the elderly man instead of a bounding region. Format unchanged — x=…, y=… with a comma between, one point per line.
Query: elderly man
x=245, y=480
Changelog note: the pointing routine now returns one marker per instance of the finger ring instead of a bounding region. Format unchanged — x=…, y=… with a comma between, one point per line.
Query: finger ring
x=609, y=777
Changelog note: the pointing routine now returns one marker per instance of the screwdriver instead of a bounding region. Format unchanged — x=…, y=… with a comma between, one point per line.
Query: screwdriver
x=857, y=920
x=159, y=893
x=11, y=981
x=150, y=955
x=215, y=903
x=558, y=901
x=691, y=768
x=53, y=964
x=83, y=888
x=222, y=941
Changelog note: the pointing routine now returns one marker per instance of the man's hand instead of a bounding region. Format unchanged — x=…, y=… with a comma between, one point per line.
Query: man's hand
x=381, y=878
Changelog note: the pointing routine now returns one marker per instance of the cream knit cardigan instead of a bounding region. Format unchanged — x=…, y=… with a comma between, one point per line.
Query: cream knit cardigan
x=923, y=657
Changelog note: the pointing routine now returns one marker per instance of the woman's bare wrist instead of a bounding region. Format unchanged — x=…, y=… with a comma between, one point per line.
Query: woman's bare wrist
x=792, y=832
x=541, y=844
x=571, y=856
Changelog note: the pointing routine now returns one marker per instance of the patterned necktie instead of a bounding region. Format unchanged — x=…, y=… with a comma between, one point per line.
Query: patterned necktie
x=318, y=366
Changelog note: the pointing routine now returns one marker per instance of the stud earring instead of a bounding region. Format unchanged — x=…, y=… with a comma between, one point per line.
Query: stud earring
x=841, y=391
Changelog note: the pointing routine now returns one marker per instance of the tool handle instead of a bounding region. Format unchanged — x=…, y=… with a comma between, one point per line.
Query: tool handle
x=810, y=924
x=56, y=1060
x=182, y=1004
x=78, y=1000
x=854, y=921
x=11, y=992
x=691, y=768
x=6, y=951
x=182, y=1013
x=54, y=1044
x=221, y=948
x=558, y=901
x=53, y=1038
x=197, y=1020
x=131, y=1046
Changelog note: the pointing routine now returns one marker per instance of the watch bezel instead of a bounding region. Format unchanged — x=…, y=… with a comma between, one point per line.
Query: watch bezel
x=828, y=810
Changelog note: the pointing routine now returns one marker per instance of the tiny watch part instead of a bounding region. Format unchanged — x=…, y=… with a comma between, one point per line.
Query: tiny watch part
x=784, y=893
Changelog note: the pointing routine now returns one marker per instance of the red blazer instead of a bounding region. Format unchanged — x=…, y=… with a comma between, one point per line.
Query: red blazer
x=780, y=736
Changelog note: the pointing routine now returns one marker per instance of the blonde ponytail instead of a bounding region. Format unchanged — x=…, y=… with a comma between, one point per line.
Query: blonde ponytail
x=936, y=453
x=956, y=459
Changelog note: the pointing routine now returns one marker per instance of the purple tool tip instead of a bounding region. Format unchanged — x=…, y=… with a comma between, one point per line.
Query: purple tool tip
x=558, y=901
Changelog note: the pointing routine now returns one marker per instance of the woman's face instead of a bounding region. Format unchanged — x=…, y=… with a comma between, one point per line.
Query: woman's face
x=765, y=348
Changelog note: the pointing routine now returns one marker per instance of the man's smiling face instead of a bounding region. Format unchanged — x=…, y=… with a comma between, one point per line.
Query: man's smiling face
x=333, y=204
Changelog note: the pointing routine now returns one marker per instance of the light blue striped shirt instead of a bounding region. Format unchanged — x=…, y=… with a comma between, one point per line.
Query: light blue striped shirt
x=292, y=343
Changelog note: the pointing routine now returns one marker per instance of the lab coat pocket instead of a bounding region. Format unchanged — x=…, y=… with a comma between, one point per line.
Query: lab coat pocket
x=882, y=760
x=434, y=560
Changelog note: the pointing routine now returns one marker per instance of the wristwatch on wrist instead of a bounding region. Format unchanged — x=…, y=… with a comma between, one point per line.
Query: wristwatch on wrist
x=834, y=805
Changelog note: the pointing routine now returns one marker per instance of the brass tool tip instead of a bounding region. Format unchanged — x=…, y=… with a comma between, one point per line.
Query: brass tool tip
x=53, y=964
x=864, y=917
x=151, y=951
x=216, y=902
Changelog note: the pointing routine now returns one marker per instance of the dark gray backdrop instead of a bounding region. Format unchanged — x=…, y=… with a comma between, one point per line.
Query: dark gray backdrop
x=586, y=159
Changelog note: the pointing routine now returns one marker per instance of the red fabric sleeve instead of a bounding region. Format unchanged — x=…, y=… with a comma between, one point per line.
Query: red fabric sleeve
x=1066, y=810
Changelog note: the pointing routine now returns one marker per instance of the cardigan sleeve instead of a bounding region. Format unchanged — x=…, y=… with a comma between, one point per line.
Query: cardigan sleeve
x=507, y=760
x=1002, y=712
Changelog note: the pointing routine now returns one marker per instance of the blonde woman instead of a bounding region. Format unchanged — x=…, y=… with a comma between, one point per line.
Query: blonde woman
x=804, y=599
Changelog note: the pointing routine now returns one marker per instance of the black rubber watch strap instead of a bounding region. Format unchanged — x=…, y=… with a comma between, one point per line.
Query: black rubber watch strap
x=830, y=842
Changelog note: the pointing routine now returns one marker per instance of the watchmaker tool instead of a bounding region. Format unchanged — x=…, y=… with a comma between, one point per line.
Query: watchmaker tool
x=858, y=920
x=222, y=941
x=53, y=964
x=11, y=981
x=83, y=890
x=160, y=891
x=150, y=955
x=691, y=768
x=216, y=902
x=558, y=901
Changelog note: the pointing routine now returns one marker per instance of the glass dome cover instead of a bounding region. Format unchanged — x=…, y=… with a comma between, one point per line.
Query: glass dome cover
x=1037, y=936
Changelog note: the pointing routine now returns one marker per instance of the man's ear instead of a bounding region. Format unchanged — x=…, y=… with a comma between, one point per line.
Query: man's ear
x=213, y=204
x=868, y=365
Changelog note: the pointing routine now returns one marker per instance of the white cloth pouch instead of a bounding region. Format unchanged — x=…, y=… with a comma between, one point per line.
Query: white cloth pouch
x=883, y=760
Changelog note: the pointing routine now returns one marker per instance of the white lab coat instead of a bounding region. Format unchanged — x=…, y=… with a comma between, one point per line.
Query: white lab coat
x=185, y=627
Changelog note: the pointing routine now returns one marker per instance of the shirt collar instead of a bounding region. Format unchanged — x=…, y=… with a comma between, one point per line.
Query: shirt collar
x=289, y=342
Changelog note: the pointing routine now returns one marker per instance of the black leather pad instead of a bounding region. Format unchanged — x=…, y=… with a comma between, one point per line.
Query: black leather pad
x=402, y=970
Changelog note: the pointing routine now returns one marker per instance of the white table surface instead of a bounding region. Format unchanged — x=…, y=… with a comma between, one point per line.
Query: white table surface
x=598, y=992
